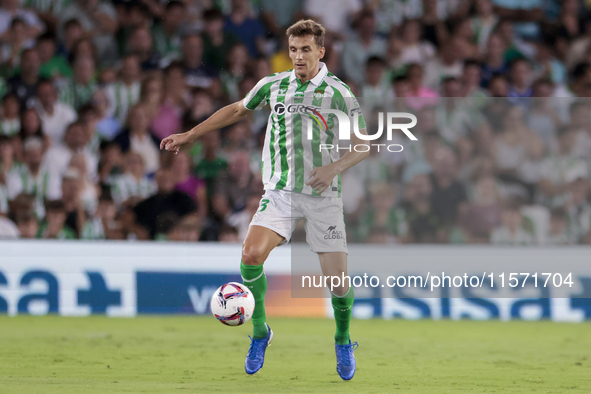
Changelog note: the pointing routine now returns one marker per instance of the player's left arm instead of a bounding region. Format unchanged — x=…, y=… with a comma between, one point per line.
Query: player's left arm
x=321, y=177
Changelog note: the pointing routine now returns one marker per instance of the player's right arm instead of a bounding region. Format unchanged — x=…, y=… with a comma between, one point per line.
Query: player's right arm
x=223, y=117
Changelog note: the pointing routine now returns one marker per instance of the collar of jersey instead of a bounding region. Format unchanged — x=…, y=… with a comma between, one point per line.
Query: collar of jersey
x=317, y=80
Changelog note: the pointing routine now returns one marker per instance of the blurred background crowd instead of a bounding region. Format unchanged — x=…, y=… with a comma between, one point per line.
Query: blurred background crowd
x=90, y=87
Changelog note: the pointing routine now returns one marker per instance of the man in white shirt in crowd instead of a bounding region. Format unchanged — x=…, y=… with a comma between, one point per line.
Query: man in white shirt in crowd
x=55, y=115
x=76, y=141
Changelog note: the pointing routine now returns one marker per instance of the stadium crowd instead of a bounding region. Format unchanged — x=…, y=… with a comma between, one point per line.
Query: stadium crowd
x=90, y=87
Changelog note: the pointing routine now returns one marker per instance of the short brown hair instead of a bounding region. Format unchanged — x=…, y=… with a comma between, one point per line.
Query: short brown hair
x=306, y=27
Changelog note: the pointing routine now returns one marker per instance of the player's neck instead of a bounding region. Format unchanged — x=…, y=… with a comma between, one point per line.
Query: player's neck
x=310, y=75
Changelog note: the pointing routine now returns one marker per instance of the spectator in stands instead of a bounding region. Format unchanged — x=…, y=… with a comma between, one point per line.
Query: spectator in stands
x=558, y=234
x=138, y=138
x=248, y=29
x=216, y=42
x=72, y=200
x=10, y=125
x=447, y=192
x=13, y=9
x=234, y=71
x=548, y=66
x=578, y=210
x=511, y=231
x=418, y=95
x=423, y=224
x=55, y=115
x=32, y=178
x=24, y=84
x=234, y=186
x=519, y=89
x=449, y=63
x=581, y=123
x=84, y=47
x=102, y=224
x=186, y=230
x=73, y=32
x=375, y=89
x=133, y=15
x=165, y=200
x=483, y=213
x=76, y=141
x=53, y=65
x=167, y=120
x=152, y=95
x=125, y=92
x=365, y=44
x=211, y=165
x=470, y=80
x=99, y=21
x=464, y=38
x=167, y=33
x=515, y=46
x=483, y=23
x=415, y=50
x=54, y=226
x=383, y=213
x=105, y=125
x=28, y=226
x=10, y=51
x=498, y=86
x=78, y=91
x=560, y=169
x=185, y=182
x=494, y=59
x=89, y=189
x=141, y=44
x=198, y=74
x=31, y=127
x=133, y=183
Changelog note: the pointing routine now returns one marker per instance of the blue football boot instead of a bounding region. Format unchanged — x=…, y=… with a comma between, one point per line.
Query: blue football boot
x=256, y=354
x=346, y=360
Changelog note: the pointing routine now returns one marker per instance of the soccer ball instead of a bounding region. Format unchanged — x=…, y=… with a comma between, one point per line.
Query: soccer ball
x=232, y=304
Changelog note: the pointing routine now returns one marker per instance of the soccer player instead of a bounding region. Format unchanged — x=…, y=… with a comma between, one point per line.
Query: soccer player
x=300, y=179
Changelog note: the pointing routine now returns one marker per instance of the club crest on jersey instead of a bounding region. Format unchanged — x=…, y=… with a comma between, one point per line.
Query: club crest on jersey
x=318, y=94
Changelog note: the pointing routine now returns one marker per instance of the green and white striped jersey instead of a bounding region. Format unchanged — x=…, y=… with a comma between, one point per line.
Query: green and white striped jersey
x=76, y=95
x=126, y=186
x=122, y=98
x=288, y=153
x=93, y=229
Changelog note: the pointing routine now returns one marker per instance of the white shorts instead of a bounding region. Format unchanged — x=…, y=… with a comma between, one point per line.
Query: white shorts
x=281, y=210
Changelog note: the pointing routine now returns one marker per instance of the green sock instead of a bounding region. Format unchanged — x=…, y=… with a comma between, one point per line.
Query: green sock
x=254, y=278
x=342, y=315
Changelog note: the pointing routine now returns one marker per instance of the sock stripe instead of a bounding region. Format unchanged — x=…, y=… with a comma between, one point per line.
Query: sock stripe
x=252, y=280
x=344, y=295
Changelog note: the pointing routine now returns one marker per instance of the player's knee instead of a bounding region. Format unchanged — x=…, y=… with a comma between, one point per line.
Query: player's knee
x=253, y=255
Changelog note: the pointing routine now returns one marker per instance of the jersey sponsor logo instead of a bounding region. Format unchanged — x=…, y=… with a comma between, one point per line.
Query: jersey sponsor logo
x=333, y=233
x=279, y=108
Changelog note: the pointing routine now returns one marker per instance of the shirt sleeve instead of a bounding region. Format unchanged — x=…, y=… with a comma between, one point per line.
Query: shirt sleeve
x=353, y=110
x=258, y=97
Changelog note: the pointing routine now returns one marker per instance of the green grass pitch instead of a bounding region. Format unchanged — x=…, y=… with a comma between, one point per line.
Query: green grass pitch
x=199, y=355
